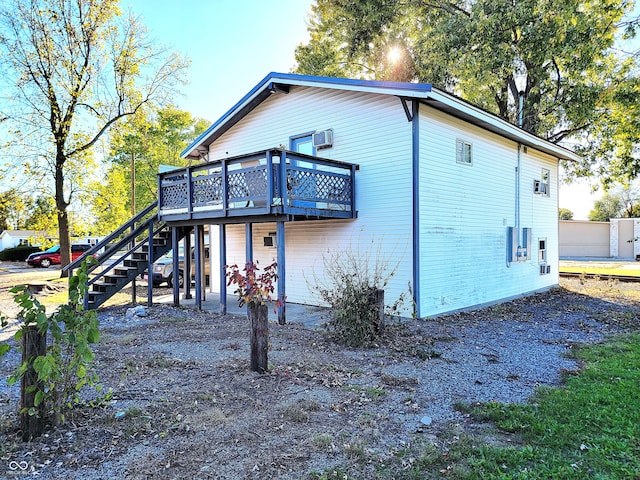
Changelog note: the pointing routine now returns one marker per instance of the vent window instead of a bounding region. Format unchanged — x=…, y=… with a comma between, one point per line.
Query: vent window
x=464, y=152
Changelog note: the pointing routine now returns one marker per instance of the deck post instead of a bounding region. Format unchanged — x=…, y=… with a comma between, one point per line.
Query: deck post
x=283, y=181
x=186, y=274
x=248, y=235
x=281, y=272
x=176, y=266
x=132, y=245
x=198, y=237
x=223, y=271
x=150, y=266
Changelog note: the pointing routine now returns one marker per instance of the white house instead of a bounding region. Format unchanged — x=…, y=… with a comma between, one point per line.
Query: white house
x=464, y=203
x=13, y=238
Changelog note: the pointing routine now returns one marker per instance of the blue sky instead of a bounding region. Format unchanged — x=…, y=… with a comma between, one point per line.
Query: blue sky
x=232, y=44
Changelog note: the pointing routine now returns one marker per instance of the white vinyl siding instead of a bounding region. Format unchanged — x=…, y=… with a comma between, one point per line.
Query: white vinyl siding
x=465, y=212
x=370, y=130
x=465, y=209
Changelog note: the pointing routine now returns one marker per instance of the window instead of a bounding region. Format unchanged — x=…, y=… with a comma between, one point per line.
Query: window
x=463, y=152
x=542, y=186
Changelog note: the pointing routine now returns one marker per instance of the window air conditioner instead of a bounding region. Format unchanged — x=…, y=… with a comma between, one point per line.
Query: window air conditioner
x=323, y=139
x=537, y=186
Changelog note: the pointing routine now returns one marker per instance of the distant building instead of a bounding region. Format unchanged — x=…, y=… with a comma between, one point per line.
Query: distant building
x=13, y=238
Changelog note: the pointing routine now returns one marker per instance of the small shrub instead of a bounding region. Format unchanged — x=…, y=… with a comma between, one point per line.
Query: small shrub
x=352, y=280
x=67, y=366
x=18, y=254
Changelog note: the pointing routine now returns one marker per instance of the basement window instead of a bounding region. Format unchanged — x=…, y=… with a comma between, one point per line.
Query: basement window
x=464, y=152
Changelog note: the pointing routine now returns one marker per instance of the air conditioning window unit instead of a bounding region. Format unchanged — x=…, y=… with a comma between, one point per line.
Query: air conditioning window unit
x=323, y=139
x=540, y=187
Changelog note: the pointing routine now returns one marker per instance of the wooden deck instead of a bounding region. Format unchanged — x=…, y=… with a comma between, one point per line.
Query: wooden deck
x=268, y=185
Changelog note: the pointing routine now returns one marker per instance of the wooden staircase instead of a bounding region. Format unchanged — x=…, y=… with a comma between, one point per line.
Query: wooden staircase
x=127, y=255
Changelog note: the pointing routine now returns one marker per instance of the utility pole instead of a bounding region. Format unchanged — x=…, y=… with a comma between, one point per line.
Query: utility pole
x=133, y=214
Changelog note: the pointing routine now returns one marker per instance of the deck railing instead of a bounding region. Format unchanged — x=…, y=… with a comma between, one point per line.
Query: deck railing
x=267, y=182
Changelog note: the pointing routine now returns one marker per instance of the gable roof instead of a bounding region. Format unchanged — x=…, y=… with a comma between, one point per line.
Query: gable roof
x=22, y=233
x=424, y=92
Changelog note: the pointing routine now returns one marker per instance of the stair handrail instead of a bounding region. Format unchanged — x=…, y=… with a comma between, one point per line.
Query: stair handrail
x=105, y=241
x=124, y=241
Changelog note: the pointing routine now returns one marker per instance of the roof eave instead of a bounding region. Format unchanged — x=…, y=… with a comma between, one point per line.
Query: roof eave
x=472, y=114
x=280, y=83
x=274, y=82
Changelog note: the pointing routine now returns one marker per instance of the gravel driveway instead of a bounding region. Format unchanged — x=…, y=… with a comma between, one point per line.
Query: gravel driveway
x=186, y=406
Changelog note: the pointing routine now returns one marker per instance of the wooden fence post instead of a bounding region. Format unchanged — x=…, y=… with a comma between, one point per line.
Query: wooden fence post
x=34, y=344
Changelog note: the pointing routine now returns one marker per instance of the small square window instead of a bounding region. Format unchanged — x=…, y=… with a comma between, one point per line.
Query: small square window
x=464, y=152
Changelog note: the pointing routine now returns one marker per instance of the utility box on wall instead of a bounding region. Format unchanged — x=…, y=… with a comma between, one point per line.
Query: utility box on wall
x=518, y=248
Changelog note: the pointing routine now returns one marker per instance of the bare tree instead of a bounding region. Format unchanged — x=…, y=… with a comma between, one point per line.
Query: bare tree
x=75, y=67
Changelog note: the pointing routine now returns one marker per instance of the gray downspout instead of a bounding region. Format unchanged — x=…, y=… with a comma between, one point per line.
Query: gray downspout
x=415, y=175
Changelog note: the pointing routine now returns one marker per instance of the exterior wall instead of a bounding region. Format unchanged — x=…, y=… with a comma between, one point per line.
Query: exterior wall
x=465, y=211
x=370, y=130
x=587, y=239
x=624, y=232
x=636, y=238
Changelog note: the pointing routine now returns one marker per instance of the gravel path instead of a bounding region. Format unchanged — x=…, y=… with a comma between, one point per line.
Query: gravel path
x=186, y=406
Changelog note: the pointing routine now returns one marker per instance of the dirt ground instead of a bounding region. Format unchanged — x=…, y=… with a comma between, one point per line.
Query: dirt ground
x=185, y=404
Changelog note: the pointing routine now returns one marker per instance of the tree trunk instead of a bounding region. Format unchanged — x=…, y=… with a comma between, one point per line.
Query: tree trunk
x=259, y=337
x=63, y=218
x=34, y=344
x=376, y=300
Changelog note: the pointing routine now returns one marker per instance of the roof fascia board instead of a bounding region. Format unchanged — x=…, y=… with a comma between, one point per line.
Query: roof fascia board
x=425, y=92
x=493, y=123
x=248, y=102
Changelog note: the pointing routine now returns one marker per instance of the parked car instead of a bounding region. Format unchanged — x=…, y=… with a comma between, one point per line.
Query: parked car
x=207, y=267
x=51, y=256
x=163, y=271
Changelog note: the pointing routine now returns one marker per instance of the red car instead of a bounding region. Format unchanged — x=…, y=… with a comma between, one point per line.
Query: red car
x=51, y=256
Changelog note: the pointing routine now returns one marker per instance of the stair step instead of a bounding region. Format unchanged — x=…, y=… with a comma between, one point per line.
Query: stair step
x=133, y=263
x=102, y=287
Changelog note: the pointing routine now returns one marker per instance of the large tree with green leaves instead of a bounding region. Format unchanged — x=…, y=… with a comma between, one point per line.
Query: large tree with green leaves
x=138, y=147
x=619, y=202
x=559, y=56
x=75, y=68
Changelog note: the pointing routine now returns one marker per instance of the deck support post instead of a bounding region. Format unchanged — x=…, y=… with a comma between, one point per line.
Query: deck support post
x=248, y=235
x=132, y=245
x=199, y=239
x=186, y=274
x=150, y=266
x=223, y=270
x=282, y=319
x=176, y=266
